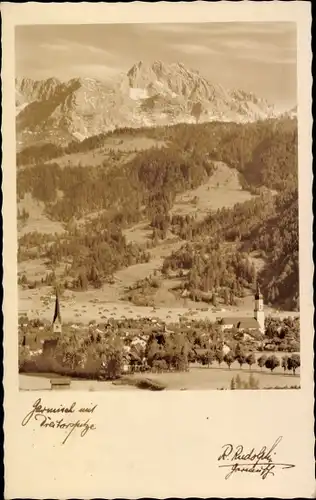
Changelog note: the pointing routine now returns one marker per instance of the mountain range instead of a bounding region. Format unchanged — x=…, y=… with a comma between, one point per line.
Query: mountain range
x=147, y=95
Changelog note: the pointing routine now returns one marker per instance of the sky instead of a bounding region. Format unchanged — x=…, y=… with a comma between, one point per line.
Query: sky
x=255, y=57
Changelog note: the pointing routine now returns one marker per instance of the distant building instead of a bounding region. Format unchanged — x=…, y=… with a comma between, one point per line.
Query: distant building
x=247, y=323
x=225, y=349
x=60, y=383
x=139, y=341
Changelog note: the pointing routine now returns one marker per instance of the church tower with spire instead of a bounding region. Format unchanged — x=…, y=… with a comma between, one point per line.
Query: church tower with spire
x=259, y=310
x=57, y=326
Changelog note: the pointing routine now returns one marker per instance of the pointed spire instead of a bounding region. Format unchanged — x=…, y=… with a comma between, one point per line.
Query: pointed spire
x=57, y=308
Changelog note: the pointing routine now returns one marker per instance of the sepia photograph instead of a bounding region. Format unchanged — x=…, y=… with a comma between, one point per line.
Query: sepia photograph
x=158, y=250
x=157, y=206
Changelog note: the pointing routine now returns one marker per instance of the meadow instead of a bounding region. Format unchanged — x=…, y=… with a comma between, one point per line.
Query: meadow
x=198, y=378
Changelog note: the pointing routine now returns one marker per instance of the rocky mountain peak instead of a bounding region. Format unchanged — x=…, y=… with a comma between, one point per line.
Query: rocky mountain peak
x=150, y=93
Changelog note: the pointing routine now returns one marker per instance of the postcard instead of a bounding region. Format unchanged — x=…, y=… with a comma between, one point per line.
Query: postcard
x=157, y=214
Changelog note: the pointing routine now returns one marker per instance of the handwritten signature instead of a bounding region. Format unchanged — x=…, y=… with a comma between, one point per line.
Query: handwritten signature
x=259, y=462
x=46, y=417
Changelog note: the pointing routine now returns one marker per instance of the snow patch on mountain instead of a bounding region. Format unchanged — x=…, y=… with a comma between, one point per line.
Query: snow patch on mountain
x=138, y=93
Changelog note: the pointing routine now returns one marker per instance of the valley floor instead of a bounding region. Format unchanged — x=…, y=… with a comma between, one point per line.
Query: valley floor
x=96, y=305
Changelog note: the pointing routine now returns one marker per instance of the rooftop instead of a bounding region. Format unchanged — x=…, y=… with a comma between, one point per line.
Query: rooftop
x=241, y=322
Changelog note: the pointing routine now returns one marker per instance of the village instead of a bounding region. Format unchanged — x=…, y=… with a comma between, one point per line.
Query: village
x=116, y=347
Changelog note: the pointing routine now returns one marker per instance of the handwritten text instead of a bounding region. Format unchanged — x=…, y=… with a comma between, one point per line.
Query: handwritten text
x=258, y=462
x=58, y=418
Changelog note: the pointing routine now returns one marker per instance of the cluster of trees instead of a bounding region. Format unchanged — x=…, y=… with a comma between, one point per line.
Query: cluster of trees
x=104, y=357
x=217, y=356
x=214, y=273
x=89, y=255
x=290, y=363
x=84, y=190
x=94, y=254
x=33, y=245
x=167, y=353
x=77, y=356
x=38, y=154
x=267, y=224
x=283, y=334
x=264, y=152
x=143, y=291
x=46, y=151
x=236, y=353
x=278, y=240
x=237, y=223
x=151, y=179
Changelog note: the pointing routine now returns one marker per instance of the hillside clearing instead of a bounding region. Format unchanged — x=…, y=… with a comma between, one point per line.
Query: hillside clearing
x=126, y=146
x=37, y=220
x=223, y=189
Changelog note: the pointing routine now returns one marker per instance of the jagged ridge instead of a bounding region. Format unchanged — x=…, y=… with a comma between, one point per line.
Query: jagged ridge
x=147, y=95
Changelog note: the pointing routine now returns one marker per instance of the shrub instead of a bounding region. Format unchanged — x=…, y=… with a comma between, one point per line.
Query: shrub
x=112, y=364
x=238, y=383
x=160, y=365
x=141, y=383
x=253, y=382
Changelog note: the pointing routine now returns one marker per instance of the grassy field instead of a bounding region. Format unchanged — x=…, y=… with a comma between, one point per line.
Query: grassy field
x=217, y=378
x=37, y=220
x=127, y=146
x=223, y=189
x=101, y=304
x=199, y=378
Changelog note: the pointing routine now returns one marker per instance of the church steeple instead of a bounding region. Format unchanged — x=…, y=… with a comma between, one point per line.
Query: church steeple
x=57, y=316
x=259, y=310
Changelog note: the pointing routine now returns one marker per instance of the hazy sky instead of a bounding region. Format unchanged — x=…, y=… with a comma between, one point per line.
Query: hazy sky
x=257, y=57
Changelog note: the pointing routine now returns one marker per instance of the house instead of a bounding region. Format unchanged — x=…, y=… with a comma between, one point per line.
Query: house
x=138, y=341
x=225, y=349
x=60, y=383
x=132, y=361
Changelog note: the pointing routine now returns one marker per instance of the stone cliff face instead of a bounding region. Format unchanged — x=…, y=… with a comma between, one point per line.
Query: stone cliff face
x=148, y=95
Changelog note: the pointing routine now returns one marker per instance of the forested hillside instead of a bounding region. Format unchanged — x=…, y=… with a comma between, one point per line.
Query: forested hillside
x=278, y=240
x=144, y=185
x=218, y=253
